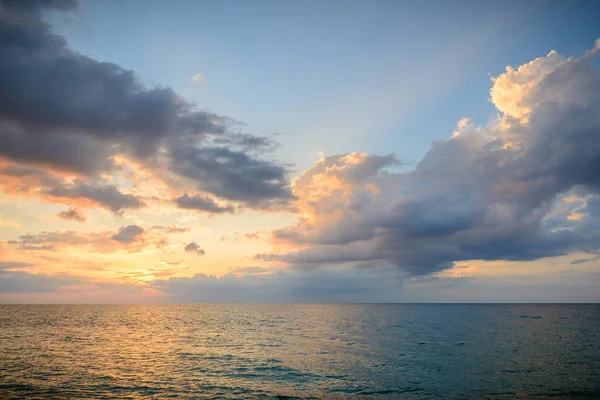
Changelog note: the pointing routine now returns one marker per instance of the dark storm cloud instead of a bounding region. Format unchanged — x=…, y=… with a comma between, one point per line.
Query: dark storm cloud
x=193, y=247
x=201, y=203
x=107, y=196
x=487, y=194
x=129, y=234
x=66, y=110
x=72, y=213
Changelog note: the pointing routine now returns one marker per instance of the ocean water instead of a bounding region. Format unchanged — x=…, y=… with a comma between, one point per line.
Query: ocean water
x=283, y=351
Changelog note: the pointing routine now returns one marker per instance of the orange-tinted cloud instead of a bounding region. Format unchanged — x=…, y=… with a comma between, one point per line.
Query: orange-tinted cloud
x=130, y=238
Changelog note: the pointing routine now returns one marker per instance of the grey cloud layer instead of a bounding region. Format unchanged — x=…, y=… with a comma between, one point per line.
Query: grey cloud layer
x=252, y=284
x=255, y=284
x=10, y=265
x=107, y=196
x=66, y=110
x=201, y=203
x=72, y=213
x=13, y=280
x=129, y=234
x=232, y=174
x=193, y=247
x=25, y=282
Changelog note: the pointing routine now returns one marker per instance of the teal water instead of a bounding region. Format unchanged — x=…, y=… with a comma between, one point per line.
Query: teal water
x=235, y=351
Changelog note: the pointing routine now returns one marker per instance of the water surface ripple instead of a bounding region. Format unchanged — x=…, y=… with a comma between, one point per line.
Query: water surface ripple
x=288, y=351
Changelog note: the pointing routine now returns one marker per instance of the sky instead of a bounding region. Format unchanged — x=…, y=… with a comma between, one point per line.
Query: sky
x=299, y=151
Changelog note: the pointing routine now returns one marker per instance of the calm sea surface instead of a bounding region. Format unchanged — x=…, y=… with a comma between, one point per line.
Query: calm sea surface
x=235, y=351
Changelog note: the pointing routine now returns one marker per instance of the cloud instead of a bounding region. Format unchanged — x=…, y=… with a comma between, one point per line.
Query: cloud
x=246, y=142
x=328, y=284
x=201, y=203
x=512, y=91
x=485, y=193
x=250, y=271
x=232, y=175
x=240, y=285
x=255, y=284
x=129, y=234
x=51, y=240
x=198, y=78
x=25, y=179
x=193, y=247
x=14, y=280
x=108, y=196
x=12, y=265
x=72, y=213
x=585, y=260
x=60, y=188
x=171, y=229
x=131, y=238
x=63, y=110
x=25, y=282
x=54, y=186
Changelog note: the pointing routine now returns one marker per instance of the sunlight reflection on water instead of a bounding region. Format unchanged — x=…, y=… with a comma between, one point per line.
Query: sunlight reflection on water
x=300, y=351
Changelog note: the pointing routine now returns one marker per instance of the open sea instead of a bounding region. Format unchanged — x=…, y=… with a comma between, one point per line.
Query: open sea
x=300, y=351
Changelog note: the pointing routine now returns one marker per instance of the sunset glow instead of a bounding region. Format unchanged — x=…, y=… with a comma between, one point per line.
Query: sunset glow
x=140, y=173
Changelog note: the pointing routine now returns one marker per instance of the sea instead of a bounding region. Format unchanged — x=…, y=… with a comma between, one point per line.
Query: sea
x=300, y=351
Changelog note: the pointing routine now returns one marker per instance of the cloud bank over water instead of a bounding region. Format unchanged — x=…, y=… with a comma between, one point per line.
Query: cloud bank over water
x=494, y=192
